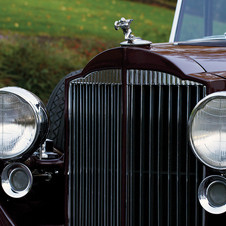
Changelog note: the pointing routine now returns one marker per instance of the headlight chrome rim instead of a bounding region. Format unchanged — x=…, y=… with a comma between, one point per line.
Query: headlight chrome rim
x=41, y=123
x=199, y=106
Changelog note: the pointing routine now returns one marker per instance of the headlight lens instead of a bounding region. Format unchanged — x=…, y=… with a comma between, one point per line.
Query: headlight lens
x=23, y=122
x=207, y=130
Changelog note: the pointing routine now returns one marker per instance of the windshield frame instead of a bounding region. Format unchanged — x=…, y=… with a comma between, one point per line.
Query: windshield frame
x=175, y=21
x=180, y=12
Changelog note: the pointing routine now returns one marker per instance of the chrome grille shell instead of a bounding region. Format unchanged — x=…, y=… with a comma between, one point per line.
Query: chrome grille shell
x=158, y=161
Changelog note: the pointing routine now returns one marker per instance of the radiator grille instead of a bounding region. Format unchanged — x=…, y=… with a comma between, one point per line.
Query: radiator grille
x=95, y=149
x=162, y=175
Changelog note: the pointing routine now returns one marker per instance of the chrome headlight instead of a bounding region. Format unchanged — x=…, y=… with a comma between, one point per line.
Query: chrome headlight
x=23, y=122
x=212, y=194
x=207, y=130
x=16, y=180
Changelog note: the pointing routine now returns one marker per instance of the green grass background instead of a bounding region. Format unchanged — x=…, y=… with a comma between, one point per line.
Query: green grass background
x=74, y=18
x=43, y=40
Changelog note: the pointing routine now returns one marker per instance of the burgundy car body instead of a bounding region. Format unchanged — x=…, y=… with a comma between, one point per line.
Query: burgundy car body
x=73, y=189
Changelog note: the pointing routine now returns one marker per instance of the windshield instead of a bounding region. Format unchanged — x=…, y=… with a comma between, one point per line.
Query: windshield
x=200, y=18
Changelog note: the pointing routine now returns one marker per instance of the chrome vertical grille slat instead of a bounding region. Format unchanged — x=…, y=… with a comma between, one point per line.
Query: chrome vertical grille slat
x=197, y=216
x=159, y=153
x=160, y=173
x=141, y=156
x=150, y=157
x=178, y=185
x=188, y=111
x=130, y=110
x=170, y=146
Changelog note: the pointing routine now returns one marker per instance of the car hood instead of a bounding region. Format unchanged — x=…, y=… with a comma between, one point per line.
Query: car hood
x=206, y=65
x=212, y=59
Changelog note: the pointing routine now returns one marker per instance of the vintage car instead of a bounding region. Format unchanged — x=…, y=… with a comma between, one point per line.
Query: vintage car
x=138, y=137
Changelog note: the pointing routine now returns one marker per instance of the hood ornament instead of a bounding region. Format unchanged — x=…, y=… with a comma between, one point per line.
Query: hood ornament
x=125, y=25
x=129, y=37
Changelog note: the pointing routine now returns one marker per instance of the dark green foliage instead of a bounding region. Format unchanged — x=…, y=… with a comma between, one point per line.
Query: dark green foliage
x=32, y=66
x=38, y=64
